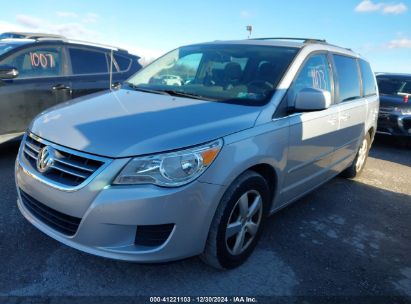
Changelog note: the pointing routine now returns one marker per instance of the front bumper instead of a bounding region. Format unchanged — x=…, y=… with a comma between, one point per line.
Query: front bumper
x=394, y=124
x=110, y=215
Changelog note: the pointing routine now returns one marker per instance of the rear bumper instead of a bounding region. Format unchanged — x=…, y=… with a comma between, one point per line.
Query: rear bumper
x=395, y=125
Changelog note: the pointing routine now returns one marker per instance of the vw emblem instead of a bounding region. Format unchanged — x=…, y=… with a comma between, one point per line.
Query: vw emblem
x=45, y=159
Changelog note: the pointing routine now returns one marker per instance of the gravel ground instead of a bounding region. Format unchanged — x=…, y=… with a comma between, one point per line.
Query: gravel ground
x=348, y=238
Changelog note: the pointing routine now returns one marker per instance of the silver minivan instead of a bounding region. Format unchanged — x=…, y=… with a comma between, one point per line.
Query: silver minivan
x=161, y=170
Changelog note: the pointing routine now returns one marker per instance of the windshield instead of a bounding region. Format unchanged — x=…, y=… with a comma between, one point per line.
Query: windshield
x=244, y=74
x=10, y=35
x=394, y=86
x=5, y=47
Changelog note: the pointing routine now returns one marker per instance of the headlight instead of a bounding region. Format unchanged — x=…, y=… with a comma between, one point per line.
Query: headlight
x=169, y=169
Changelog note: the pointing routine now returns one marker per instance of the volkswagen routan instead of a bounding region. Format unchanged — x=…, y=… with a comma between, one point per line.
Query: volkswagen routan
x=161, y=170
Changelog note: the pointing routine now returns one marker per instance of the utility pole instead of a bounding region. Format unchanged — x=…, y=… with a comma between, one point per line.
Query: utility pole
x=249, y=29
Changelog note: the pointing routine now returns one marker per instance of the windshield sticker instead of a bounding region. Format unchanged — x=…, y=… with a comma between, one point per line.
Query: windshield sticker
x=44, y=60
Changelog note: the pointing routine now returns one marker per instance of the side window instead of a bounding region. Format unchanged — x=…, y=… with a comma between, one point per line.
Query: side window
x=314, y=74
x=37, y=62
x=87, y=62
x=368, y=82
x=348, y=78
x=122, y=62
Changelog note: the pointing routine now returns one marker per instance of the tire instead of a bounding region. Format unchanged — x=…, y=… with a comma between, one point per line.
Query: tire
x=222, y=253
x=358, y=164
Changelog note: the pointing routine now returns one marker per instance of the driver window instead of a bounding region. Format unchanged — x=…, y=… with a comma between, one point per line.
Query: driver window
x=314, y=74
x=37, y=62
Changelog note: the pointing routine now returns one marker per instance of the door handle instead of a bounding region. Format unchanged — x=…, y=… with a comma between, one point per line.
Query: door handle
x=345, y=117
x=58, y=87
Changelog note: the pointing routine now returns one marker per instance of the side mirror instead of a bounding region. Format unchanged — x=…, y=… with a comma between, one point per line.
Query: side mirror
x=310, y=99
x=8, y=72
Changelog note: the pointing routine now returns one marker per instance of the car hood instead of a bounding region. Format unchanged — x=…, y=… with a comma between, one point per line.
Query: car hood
x=127, y=123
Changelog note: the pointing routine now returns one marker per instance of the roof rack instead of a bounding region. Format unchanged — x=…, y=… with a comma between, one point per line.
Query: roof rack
x=110, y=47
x=305, y=40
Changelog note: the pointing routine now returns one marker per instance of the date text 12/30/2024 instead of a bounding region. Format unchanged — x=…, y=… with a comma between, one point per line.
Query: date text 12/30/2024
x=203, y=300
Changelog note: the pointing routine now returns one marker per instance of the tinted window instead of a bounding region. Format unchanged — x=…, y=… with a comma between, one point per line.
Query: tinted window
x=348, y=78
x=393, y=86
x=368, y=81
x=314, y=74
x=87, y=62
x=122, y=62
x=37, y=62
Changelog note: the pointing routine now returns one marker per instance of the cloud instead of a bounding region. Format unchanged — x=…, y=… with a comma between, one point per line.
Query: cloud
x=386, y=8
x=63, y=14
x=246, y=14
x=28, y=21
x=90, y=18
x=402, y=43
x=75, y=30
x=395, y=9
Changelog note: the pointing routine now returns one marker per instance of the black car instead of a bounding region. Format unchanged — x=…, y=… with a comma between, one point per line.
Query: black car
x=395, y=104
x=21, y=35
x=39, y=73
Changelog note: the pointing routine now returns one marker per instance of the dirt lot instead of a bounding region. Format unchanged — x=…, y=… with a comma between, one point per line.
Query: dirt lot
x=349, y=238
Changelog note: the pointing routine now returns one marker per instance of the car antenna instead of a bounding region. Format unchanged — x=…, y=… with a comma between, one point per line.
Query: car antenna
x=111, y=70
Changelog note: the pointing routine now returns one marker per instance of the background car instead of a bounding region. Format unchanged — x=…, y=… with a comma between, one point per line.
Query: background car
x=21, y=35
x=36, y=74
x=395, y=104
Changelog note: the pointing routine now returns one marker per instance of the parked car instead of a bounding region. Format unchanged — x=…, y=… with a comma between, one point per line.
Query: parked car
x=37, y=74
x=159, y=172
x=22, y=35
x=395, y=104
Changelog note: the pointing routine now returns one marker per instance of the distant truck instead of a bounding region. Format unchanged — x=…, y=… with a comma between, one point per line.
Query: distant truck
x=395, y=104
x=36, y=74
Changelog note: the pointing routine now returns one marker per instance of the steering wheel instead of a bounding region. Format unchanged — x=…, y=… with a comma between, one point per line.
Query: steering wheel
x=259, y=86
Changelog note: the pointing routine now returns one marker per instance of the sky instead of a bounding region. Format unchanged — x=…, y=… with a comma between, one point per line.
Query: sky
x=379, y=30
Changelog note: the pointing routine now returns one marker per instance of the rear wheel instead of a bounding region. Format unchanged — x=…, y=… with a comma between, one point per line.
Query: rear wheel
x=357, y=166
x=238, y=222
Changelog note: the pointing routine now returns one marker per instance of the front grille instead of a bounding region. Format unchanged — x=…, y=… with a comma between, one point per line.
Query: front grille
x=152, y=235
x=61, y=222
x=69, y=168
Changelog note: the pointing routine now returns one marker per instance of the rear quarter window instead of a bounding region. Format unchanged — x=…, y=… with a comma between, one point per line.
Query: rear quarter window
x=368, y=82
x=348, y=78
x=122, y=62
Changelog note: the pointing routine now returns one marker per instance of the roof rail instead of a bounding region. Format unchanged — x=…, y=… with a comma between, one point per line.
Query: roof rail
x=305, y=40
x=110, y=47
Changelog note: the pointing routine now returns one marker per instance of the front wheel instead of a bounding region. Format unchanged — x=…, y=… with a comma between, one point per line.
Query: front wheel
x=238, y=221
x=357, y=166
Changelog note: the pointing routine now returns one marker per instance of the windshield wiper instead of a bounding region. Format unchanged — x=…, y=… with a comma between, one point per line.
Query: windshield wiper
x=189, y=95
x=137, y=88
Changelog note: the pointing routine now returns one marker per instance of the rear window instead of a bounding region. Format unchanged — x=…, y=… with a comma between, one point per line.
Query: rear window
x=87, y=62
x=348, y=78
x=394, y=86
x=368, y=82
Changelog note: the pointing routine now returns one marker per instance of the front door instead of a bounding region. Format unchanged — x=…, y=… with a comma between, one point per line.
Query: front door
x=312, y=134
x=40, y=85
